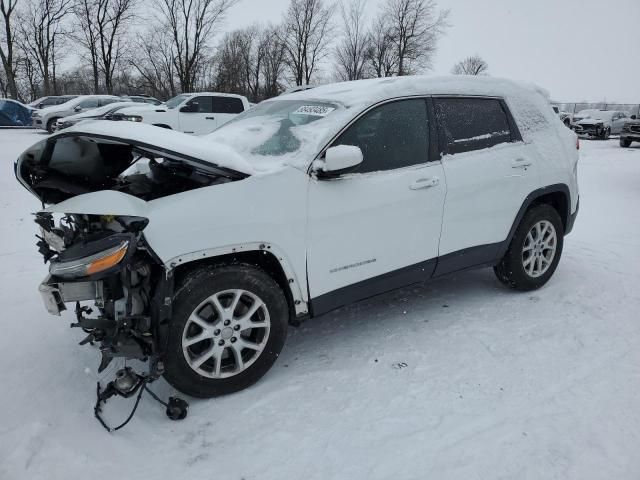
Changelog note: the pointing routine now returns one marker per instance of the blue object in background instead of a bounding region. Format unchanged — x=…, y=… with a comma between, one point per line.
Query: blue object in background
x=14, y=114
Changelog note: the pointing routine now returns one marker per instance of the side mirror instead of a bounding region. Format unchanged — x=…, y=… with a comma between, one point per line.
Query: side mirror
x=633, y=117
x=189, y=108
x=77, y=108
x=339, y=160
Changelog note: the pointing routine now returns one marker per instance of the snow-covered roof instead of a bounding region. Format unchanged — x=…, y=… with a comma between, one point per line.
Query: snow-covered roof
x=142, y=134
x=370, y=91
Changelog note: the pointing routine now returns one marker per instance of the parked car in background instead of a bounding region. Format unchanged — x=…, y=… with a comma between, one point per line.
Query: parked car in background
x=100, y=113
x=14, y=113
x=599, y=123
x=630, y=132
x=44, y=102
x=200, y=259
x=47, y=117
x=195, y=113
x=142, y=99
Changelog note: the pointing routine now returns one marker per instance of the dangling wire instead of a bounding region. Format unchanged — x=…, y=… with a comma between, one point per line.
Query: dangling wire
x=96, y=410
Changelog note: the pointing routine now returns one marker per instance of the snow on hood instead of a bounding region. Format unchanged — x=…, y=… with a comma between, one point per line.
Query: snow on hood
x=96, y=112
x=164, y=139
x=142, y=108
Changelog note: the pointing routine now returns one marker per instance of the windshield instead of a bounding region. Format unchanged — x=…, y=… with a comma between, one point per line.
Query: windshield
x=279, y=129
x=175, y=101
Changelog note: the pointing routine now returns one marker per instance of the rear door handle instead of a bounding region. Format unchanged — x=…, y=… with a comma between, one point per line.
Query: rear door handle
x=425, y=183
x=520, y=163
x=210, y=118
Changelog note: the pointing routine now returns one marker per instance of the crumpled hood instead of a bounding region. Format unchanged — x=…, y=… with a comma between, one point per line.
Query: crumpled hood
x=592, y=121
x=163, y=139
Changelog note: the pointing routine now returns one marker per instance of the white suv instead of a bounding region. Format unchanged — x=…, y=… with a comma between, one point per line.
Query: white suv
x=198, y=252
x=195, y=113
x=47, y=117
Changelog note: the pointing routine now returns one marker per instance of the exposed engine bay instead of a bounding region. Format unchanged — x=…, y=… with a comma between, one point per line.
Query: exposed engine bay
x=65, y=166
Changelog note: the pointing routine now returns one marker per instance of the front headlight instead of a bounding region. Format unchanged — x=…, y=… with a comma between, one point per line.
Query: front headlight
x=128, y=118
x=89, y=265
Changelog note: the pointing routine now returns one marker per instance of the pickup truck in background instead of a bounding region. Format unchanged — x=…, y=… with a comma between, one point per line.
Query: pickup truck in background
x=195, y=113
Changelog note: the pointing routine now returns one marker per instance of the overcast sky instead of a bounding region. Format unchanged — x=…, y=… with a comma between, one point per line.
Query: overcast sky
x=576, y=49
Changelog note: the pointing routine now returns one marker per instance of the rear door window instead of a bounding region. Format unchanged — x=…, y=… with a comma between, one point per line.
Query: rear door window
x=227, y=105
x=467, y=124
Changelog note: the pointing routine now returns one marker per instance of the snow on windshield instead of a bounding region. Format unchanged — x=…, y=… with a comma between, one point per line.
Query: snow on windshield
x=293, y=128
x=280, y=131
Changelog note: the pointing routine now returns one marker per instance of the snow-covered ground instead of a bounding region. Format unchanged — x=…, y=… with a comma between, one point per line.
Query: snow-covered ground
x=458, y=378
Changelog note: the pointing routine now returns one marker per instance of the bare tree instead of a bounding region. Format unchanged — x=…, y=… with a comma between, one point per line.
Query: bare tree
x=231, y=65
x=381, y=53
x=152, y=58
x=29, y=76
x=191, y=24
x=305, y=33
x=351, y=52
x=43, y=31
x=415, y=26
x=103, y=25
x=250, y=61
x=3, y=84
x=473, y=65
x=274, y=63
x=7, y=46
x=86, y=35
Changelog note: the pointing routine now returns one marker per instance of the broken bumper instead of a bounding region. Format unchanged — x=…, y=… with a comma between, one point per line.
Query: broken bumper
x=56, y=294
x=589, y=130
x=633, y=136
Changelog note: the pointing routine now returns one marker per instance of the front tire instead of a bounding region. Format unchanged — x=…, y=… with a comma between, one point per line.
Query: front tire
x=228, y=327
x=535, y=250
x=50, y=124
x=606, y=134
x=625, y=142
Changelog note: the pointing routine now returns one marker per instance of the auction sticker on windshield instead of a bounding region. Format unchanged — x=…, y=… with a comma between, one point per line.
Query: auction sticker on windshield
x=316, y=110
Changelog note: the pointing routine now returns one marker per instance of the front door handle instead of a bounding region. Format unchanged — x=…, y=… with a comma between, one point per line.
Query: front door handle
x=520, y=163
x=425, y=183
x=210, y=118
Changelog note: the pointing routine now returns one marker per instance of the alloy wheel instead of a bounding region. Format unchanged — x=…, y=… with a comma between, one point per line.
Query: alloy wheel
x=539, y=250
x=226, y=333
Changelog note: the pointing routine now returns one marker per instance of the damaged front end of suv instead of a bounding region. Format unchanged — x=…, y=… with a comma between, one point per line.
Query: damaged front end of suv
x=95, y=190
x=105, y=260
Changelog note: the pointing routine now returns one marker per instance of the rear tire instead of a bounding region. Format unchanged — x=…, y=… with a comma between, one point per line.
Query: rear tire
x=625, y=142
x=213, y=320
x=534, y=251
